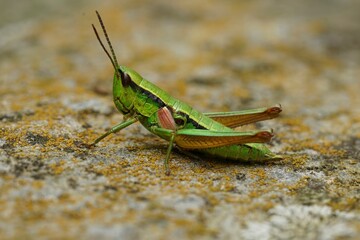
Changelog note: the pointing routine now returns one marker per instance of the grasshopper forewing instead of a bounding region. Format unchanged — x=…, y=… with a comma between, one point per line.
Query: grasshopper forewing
x=240, y=118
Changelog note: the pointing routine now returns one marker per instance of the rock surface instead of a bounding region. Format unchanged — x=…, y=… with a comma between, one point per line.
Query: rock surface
x=55, y=97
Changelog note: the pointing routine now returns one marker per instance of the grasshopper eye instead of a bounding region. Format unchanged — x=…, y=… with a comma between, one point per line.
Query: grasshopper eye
x=125, y=78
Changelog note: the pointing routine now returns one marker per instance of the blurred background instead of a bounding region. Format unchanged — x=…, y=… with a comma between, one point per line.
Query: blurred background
x=294, y=47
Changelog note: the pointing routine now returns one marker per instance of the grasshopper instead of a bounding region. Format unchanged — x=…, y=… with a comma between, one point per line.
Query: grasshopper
x=177, y=122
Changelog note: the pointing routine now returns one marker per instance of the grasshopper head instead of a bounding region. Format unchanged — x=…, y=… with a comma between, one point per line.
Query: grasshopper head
x=125, y=80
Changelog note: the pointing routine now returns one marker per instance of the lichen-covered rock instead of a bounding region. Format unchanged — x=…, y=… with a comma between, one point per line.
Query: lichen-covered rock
x=55, y=98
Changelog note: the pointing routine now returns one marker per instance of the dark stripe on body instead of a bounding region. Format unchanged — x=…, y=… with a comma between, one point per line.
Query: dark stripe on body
x=160, y=102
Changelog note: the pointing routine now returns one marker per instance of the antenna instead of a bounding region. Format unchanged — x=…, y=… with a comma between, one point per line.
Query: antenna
x=112, y=57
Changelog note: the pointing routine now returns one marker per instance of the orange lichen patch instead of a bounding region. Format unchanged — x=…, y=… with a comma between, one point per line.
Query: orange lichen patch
x=37, y=184
x=302, y=183
x=32, y=210
x=297, y=160
x=58, y=168
x=264, y=206
x=198, y=229
x=10, y=135
x=249, y=205
x=346, y=204
x=258, y=174
x=227, y=187
x=255, y=194
x=97, y=169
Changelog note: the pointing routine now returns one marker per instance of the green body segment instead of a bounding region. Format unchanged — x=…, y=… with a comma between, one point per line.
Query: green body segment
x=145, y=99
x=244, y=152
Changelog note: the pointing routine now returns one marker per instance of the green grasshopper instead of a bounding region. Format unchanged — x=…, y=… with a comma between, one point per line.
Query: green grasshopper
x=192, y=131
